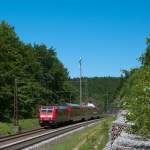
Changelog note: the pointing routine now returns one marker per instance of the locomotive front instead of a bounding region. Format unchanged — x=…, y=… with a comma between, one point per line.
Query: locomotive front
x=47, y=115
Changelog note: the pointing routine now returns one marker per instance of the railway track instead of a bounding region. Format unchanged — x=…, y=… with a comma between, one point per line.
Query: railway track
x=25, y=141
x=14, y=136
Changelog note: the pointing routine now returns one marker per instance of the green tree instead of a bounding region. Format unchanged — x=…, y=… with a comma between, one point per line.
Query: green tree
x=136, y=95
x=38, y=71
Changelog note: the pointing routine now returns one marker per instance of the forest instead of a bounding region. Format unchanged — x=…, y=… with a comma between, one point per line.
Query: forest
x=34, y=70
x=100, y=90
x=33, y=75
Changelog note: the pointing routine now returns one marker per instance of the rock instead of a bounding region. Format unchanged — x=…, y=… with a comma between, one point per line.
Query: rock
x=120, y=140
x=130, y=142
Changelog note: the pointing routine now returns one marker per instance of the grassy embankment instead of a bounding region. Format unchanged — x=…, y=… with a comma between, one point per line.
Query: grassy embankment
x=94, y=137
x=26, y=124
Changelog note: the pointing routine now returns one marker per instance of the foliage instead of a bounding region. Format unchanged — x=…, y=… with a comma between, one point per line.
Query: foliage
x=41, y=78
x=100, y=90
x=38, y=72
x=136, y=95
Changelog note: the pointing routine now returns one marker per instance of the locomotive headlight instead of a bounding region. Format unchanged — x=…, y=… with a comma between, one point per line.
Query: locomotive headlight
x=42, y=116
x=49, y=116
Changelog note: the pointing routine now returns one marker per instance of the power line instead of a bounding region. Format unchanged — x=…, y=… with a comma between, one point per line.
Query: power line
x=80, y=62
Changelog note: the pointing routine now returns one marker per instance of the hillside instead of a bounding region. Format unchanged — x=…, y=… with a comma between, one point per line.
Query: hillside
x=100, y=90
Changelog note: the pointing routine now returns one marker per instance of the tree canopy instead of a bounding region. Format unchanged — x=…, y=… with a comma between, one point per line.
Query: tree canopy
x=38, y=73
x=100, y=90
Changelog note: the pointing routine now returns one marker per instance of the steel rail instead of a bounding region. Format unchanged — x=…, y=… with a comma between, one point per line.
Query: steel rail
x=45, y=136
x=13, y=136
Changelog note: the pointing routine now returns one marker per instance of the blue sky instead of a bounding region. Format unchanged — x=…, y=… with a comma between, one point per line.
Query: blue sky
x=109, y=34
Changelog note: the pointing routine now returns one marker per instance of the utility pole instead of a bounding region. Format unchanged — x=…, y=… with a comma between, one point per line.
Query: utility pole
x=107, y=99
x=16, y=122
x=14, y=117
x=15, y=103
x=80, y=62
x=86, y=90
x=70, y=98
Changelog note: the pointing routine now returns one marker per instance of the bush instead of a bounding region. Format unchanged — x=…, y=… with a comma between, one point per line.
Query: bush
x=137, y=101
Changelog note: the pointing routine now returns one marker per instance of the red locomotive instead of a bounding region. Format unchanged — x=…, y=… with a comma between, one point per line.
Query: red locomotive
x=53, y=115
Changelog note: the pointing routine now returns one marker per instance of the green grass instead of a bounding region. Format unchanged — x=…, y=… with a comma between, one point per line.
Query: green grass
x=6, y=128
x=94, y=137
x=25, y=124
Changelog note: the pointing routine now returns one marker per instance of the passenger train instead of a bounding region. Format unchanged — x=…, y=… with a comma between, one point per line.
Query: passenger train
x=53, y=115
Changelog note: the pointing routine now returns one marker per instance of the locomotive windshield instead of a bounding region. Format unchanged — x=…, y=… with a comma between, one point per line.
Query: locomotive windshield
x=46, y=110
